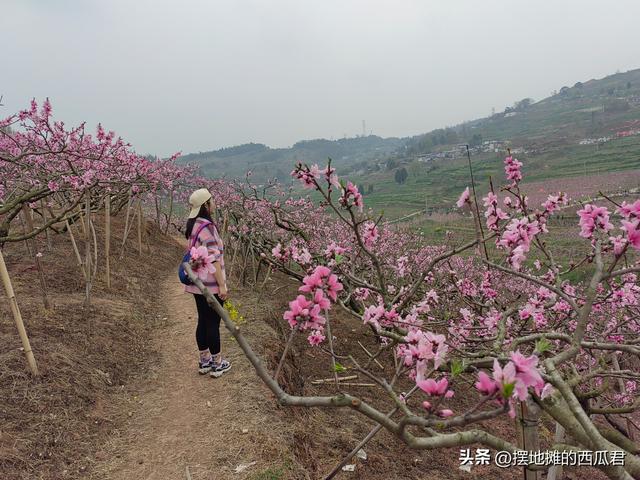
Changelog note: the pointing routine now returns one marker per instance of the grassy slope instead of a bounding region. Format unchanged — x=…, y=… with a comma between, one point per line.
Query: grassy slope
x=439, y=183
x=549, y=130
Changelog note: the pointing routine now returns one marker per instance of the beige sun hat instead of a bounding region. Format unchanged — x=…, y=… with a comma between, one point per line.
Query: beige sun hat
x=197, y=199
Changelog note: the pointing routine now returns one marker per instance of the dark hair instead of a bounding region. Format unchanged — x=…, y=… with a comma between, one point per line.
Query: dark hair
x=203, y=213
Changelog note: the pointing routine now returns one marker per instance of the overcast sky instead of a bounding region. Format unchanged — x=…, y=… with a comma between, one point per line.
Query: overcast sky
x=197, y=75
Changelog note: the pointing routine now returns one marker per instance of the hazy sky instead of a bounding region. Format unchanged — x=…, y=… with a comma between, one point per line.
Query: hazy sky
x=195, y=75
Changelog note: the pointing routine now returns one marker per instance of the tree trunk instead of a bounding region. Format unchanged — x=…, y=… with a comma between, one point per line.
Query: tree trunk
x=166, y=228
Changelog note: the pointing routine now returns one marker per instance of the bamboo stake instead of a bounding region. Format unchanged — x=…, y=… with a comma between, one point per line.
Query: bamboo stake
x=107, y=237
x=85, y=232
x=44, y=220
x=24, y=231
x=264, y=283
x=329, y=380
x=17, y=316
x=349, y=384
x=75, y=247
x=370, y=356
x=126, y=224
x=87, y=261
x=233, y=257
x=140, y=227
x=26, y=210
x=95, y=251
x=555, y=471
x=284, y=355
x=333, y=356
x=528, y=417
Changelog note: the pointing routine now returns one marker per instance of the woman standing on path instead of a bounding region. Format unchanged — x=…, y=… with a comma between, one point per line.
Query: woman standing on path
x=201, y=231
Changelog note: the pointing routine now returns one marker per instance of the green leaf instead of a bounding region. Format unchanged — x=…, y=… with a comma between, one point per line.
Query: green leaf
x=457, y=367
x=339, y=368
x=339, y=259
x=507, y=390
x=543, y=345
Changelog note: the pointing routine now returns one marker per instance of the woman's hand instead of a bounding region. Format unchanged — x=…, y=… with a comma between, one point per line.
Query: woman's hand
x=224, y=293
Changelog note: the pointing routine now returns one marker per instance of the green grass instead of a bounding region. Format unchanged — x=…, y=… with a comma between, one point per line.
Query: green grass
x=272, y=473
x=439, y=183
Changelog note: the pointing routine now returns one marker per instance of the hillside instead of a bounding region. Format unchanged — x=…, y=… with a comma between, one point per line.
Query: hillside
x=591, y=109
x=264, y=162
x=585, y=130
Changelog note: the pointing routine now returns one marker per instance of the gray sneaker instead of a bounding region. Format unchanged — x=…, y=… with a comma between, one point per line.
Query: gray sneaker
x=205, y=367
x=219, y=368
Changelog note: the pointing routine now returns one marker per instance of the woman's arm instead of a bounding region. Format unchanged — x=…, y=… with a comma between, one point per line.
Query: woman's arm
x=211, y=239
x=222, y=281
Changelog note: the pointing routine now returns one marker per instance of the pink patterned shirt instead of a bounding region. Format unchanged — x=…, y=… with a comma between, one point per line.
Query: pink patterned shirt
x=210, y=238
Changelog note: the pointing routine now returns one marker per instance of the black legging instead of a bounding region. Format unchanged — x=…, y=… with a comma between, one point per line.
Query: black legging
x=208, y=329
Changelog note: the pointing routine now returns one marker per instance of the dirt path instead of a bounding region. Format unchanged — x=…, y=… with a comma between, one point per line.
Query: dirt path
x=179, y=419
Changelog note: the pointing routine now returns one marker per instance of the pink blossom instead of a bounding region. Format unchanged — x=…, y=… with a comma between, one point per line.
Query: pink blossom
x=464, y=198
x=504, y=376
x=307, y=176
x=592, y=217
x=619, y=242
x=370, y=234
x=526, y=373
x=435, y=388
x=201, y=262
x=485, y=384
x=323, y=279
x=553, y=201
x=351, y=197
x=445, y=413
x=633, y=233
x=628, y=210
x=303, y=312
x=320, y=300
x=333, y=249
x=331, y=177
x=316, y=338
x=512, y=169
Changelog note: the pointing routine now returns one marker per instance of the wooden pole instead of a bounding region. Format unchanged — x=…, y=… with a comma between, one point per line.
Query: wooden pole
x=140, y=227
x=44, y=221
x=75, y=247
x=87, y=258
x=26, y=210
x=126, y=224
x=528, y=418
x=24, y=231
x=85, y=232
x=555, y=471
x=17, y=316
x=107, y=237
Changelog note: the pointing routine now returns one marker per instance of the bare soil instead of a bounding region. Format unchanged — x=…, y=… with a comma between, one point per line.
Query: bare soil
x=120, y=396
